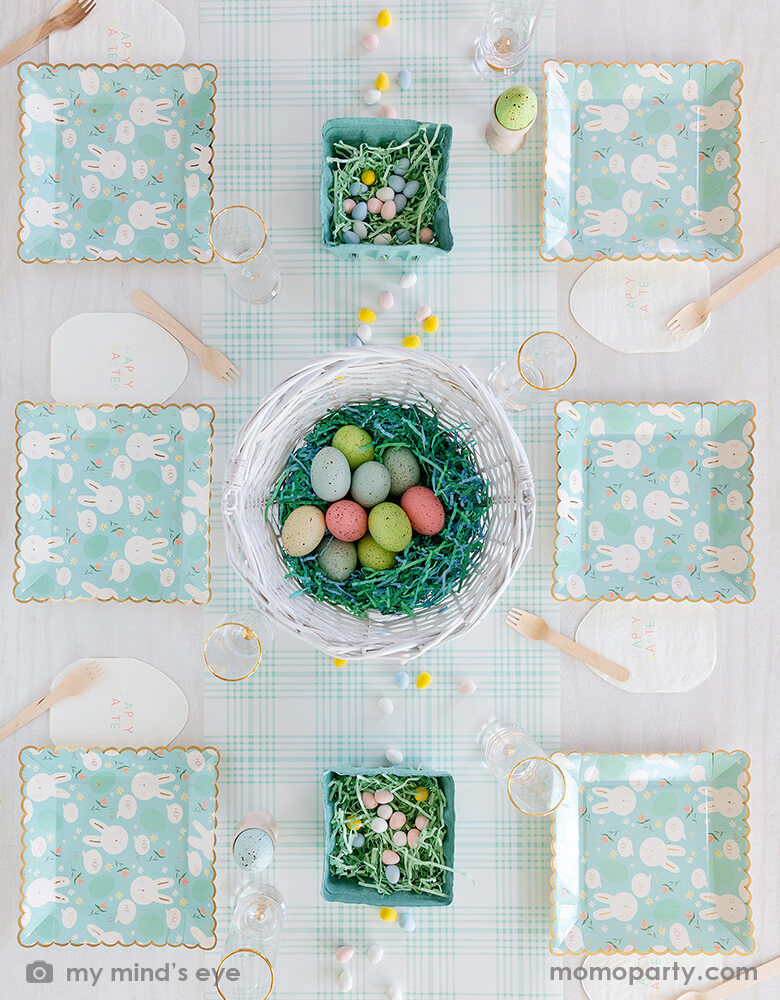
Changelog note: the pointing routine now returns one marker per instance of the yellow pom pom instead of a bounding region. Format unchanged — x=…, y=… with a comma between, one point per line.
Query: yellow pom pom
x=338, y=664
x=382, y=83
x=423, y=680
x=383, y=18
x=411, y=341
x=388, y=913
x=421, y=794
x=368, y=177
x=366, y=315
x=431, y=325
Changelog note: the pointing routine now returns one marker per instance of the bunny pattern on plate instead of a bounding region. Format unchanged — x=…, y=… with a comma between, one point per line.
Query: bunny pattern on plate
x=113, y=502
x=641, y=160
x=125, y=174
x=122, y=853
x=650, y=852
x=654, y=501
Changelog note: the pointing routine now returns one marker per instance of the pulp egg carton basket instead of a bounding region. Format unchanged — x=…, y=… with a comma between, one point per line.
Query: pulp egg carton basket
x=339, y=889
x=280, y=426
x=381, y=132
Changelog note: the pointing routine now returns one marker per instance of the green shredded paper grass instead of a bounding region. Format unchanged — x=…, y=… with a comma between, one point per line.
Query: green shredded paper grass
x=431, y=567
x=423, y=869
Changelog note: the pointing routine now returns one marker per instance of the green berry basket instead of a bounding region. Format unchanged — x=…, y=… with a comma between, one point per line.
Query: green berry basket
x=348, y=890
x=382, y=132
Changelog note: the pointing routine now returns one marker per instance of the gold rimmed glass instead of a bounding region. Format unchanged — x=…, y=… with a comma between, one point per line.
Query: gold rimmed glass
x=545, y=362
x=534, y=784
x=233, y=650
x=247, y=970
x=239, y=237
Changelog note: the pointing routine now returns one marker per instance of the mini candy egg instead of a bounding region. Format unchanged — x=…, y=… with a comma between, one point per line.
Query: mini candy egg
x=386, y=707
x=394, y=756
x=401, y=166
x=404, y=79
x=399, y=838
x=396, y=183
x=401, y=680
x=403, y=235
x=403, y=467
x=353, y=442
x=423, y=313
x=356, y=188
x=385, y=194
x=388, y=211
x=378, y=825
x=423, y=681
x=360, y=230
x=373, y=556
x=388, y=913
x=383, y=239
x=337, y=559
x=338, y=663
x=421, y=822
x=389, y=526
x=360, y=211
x=390, y=858
x=354, y=341
x=396, y=821
x=358, y=840
x=409, y=280
x=388, y=111
x=364, y=333
x=383, y=18
x=412, y=838
x=370, y=484
x=394, y=993
x=369, y=42
x=421, y=794
x=381, y=83
x=365, y=316
x=368, y=800
x=392, y=874
x=385, y=811
x=375, y=954
x=431, y=324
x=346, y=520
x=303, y=530
x=424, y=510
x=344, y=953
x=371, y=96
x=349, y=237
x=467, y=687
x=368, y=177
x=411, y=188
x=374, y=206
x=406, y=923
x=426, y=235
x=400, y=203
x=348, y=204
x=386, y=300
x=345, y=982
x=412, y=341
x=383, y=796
x=329, y=468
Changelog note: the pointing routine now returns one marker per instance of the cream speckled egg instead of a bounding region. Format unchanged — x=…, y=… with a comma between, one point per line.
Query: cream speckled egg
x=303, y=530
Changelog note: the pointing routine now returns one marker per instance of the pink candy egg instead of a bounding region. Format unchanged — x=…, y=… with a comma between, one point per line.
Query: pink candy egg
x=383, y=796
x=349, y=204
x=412, y=838
x=426, y=235
x=386, y=300
x=369, y=42
x=421, y=822
x=347, y=521
x=374, y=205
x=390, y=858
x=424, y=510
x=467, y=687
x=423, y=313
x=388, y=111
x=388, y=211
x=344, y=954
x=399, y=838
x=368, y=800
x=396, y=821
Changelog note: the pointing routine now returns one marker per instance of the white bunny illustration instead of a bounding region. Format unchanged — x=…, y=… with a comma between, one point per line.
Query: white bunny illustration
x=91, y=760
x=100, y=253
x=90, y=81
x=654, y=70
x=728, y=454
x=46, y=786
x=659, y=506
x=145, y=890
x=613, y=222
x=656, y=854
x=42, y=891
x=667, y=410
x=623, y=454
x=612, y=118
x=727, y=907
x=646, y=169
x=100, y=593
x=202, y=840
x=36, y=549
x=202, y=159
x=620, y=800
x=623, y=558
x=43, y=110
x=113, y=839
x=732, y=559
x=192, y=185
x=147, y=786
x=198, y=596
x=139, y=550
x=199, y=499
x=145, y=215
x=141, y=446
x=196, y=760
x=40, y=212
x=622, y=906
x=110, y=164
x=716, y=222
x=105, y=937
x=107, y=499
x=206, y=941
x=716, y=116
x=36, y=444
x=144, y=111
x=726, y=802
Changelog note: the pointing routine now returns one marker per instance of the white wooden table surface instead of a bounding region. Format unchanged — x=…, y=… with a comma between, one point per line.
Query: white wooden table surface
x=737, y=707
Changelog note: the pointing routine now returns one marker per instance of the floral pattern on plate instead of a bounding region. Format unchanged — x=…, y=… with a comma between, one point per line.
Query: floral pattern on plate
x=651, y=852
x=118, y=846
x=654, y=500
x=116, y=162
x=641, y=160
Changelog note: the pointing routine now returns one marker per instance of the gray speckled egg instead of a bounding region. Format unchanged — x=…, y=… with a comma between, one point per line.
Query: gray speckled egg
x=337, y=559
x=404, y=469
x=370, y=484
x=330, y=476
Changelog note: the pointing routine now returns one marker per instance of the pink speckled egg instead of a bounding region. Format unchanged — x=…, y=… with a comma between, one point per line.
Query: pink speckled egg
x=349, y=204
x=346, y=520
x=388, y=211
x=374, y=205
x=424, y=510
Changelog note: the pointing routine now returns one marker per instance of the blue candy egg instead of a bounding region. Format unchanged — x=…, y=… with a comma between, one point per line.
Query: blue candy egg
x=400, y=202
x=358, y=840
x=360, y=211
x=403, y=236
x=349, y=237
x=404, y=79
x=402, y=680
x=356, y=188
x=406, y=923
x=392, y=873
x=401, y=167
x=396, y=183
x=410, y=190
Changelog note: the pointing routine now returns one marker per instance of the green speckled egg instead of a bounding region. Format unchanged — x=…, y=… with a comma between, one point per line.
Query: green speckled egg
x=373, y=556
x=355, y=444
x=390, y=527
x=404, y=469
x=516, y=109
x=370, y=484
x=337, y=559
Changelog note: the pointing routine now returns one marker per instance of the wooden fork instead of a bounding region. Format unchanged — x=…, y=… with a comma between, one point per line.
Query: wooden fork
x=695, y=313
x=76, y=681
x=534, y=627
x=71, y=14
x=212, y=360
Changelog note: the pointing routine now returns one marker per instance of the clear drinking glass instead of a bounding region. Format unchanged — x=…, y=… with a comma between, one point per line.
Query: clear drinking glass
x=534, y=784
x=233, y=650
x=505, y=38
x=252, y=944
x=239, y=237
x=545, y=362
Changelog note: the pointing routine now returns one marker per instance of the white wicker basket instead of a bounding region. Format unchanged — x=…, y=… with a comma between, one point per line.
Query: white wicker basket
x=286, y=416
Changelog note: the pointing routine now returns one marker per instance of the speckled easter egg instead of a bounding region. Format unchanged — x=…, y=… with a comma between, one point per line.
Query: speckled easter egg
x=303, y=530
x=424, y=510
x=346, y=520
x=403, y=467
x=330, y=475
x=370, y=484
x=516, y=108
x=390, y=527
x=337, y=559
x=355, y=444
x=373, y=556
